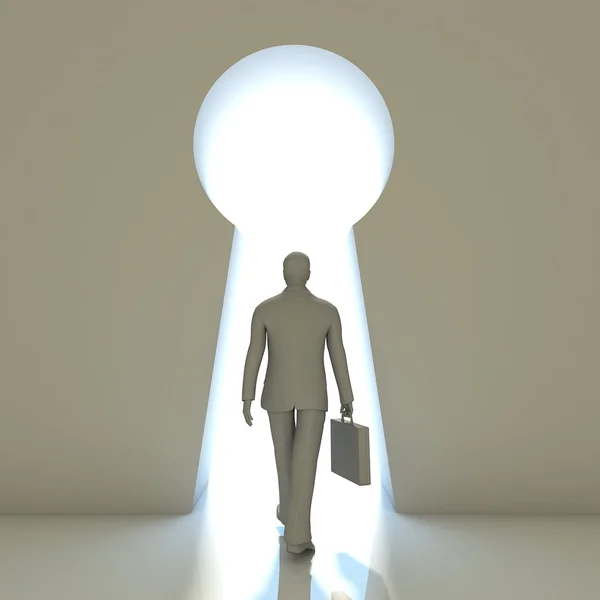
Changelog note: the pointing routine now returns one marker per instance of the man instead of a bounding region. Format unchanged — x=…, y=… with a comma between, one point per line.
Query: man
x=297, y=325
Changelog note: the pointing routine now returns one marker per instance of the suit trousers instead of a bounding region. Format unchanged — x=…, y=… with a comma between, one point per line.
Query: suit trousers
x=296, y=448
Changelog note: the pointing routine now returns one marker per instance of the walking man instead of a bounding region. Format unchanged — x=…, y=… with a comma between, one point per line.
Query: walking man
x=296, y=325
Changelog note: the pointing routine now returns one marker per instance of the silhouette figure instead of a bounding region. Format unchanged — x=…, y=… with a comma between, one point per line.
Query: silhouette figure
x=297, y=326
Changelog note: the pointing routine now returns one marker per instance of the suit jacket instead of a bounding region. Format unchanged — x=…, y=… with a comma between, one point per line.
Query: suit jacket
x=296, y=325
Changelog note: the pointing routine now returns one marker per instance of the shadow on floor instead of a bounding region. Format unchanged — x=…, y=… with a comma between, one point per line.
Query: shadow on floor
x=369, y=582
x=291, y=579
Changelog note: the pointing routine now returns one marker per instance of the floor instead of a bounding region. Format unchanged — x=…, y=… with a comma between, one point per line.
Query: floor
x=170, y=558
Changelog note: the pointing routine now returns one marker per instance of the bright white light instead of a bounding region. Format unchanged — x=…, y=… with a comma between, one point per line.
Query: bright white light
x=293, y=126
x=293, y=145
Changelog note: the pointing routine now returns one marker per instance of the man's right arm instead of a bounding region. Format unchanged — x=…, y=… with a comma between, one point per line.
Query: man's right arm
x=256, y=350
x=337, y=353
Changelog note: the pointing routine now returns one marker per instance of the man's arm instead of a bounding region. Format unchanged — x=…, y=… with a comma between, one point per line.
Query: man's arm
x=335, y=345
x=256, y=350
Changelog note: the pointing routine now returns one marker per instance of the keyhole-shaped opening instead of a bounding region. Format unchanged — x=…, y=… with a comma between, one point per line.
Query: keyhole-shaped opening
x=293, y=145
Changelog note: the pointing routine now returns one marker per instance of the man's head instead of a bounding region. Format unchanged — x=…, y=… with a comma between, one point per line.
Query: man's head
x=296, y=268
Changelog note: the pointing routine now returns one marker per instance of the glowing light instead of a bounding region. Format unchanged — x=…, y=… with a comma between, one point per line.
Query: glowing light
x=293, y=140
x=293, y=145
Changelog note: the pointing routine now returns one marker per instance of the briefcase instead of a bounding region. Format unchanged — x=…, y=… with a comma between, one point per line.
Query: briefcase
x=350, y=452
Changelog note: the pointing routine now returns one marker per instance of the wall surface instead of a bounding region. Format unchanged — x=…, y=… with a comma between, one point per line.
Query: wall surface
x=479, y=263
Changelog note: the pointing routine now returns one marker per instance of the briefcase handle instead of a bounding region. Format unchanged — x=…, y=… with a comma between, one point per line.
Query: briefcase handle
x=351, y=419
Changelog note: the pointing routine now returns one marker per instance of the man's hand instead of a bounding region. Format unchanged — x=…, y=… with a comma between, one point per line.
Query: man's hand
x=247, y=413
x=347, y=410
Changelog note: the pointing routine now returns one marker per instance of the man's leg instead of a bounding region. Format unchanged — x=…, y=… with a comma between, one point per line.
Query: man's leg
x=282, y=432
x=307, y=443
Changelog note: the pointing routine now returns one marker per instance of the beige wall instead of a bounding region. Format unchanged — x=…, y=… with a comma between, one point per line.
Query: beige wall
x=479, y=263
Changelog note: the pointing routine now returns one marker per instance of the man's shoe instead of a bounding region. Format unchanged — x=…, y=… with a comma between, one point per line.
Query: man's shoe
x=300, y=548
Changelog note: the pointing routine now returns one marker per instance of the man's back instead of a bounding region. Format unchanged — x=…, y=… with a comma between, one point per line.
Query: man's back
x=297, y=325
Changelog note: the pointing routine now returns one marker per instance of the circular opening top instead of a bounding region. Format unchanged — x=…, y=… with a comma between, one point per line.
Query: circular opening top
x=293, y=140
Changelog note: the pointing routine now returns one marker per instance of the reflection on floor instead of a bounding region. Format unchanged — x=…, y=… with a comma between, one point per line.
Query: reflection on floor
x=170, y=558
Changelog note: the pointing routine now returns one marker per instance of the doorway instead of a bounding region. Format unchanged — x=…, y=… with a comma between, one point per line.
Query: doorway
x=293, y=145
